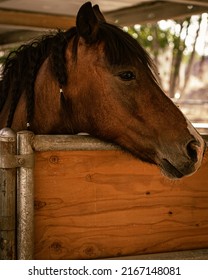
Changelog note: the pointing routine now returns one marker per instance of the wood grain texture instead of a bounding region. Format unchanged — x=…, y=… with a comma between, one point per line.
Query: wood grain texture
x=98, y=204
x=33, y=19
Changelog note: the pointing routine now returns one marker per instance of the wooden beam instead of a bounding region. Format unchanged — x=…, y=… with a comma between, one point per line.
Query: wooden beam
x=191, y=2
x=18, y=36
x=141, y=13
x=153, y=12
x=30, y=19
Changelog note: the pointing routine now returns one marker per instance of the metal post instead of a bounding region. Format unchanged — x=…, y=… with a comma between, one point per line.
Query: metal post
x=7, y=195
x=25, y=198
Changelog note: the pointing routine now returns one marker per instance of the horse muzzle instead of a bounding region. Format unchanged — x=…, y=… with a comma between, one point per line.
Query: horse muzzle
x=185, y=163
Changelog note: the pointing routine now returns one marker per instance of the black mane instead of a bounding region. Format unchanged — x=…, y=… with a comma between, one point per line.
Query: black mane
x=21, y=66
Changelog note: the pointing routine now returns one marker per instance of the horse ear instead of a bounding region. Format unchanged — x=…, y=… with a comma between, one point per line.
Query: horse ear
x=98, y=13
x=87, y=23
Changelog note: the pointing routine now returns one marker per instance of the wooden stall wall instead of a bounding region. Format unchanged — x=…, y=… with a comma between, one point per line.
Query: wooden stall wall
x=100, y=204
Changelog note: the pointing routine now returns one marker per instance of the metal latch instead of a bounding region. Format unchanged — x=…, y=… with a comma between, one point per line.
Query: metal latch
x=13, y=161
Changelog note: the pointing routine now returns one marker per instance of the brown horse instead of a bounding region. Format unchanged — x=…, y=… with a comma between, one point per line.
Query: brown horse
x=95, y=78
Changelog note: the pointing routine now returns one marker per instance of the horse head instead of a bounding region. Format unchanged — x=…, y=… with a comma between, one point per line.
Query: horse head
x=114, y=91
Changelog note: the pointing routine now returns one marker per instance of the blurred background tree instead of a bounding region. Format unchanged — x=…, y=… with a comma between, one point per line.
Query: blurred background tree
x=172, y=45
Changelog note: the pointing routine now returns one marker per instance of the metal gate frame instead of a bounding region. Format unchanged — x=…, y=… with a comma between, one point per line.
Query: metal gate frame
x=17, y=152
x=17, y=156
x=16, y=195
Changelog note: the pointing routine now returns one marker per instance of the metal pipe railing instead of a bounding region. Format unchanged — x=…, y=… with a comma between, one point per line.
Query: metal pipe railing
x=7, y=194
x=25, y=196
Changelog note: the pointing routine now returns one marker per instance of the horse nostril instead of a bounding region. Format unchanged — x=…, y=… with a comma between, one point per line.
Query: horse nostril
x=192, y=150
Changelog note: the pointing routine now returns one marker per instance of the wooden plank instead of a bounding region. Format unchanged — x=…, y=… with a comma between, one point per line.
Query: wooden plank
x=15, y=37
x=32, y=19
x=99, y=204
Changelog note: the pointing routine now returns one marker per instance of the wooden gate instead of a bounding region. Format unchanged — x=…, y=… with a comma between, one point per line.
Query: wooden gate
x=94, y=201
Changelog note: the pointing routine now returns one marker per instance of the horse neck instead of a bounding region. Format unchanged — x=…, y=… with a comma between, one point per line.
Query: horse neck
x=47, y=115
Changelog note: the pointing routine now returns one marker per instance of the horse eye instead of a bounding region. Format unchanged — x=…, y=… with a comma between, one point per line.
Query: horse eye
x=127, y=76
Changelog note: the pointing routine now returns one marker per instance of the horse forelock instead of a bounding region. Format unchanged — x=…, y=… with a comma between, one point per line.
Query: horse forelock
x=121, y=49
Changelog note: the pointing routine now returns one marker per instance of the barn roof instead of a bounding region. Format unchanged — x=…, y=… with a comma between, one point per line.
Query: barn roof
x=50, y=14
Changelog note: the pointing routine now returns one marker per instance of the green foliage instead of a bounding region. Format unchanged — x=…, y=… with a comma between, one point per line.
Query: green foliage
x=148, y=33
x=170, y=42
x=152, y=36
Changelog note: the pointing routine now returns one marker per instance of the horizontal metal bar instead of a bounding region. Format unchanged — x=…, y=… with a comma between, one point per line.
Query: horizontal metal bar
x=74, y=143
x=70, y=142
x=201, y=254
